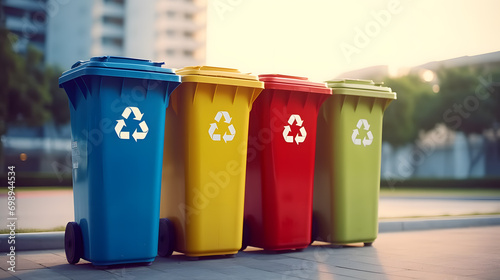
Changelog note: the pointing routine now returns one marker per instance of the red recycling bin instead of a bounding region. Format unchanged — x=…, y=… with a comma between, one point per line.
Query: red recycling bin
x=280, y=163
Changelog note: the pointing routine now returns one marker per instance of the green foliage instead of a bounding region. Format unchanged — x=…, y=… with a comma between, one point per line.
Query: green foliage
x=402, y=119
x=29, y=98
x=60, y=104
x=29, y=93
x=9, y=63
x=468, y=100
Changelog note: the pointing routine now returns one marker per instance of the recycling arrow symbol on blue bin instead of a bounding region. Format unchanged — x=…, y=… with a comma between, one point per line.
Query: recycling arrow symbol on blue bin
x=138, y=117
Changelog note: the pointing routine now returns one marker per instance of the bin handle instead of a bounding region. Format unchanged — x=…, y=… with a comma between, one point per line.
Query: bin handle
x=78, y=63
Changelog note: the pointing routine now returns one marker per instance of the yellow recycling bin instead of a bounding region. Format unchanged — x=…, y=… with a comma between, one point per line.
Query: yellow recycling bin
x=204, y=163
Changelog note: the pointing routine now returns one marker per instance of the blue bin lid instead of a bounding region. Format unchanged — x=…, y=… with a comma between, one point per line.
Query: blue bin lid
x=117, y=66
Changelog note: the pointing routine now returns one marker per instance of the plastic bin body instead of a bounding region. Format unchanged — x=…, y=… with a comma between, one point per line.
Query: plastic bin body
x=116, y=181
x=347, y=170
x=203, y=183
x=280, y=166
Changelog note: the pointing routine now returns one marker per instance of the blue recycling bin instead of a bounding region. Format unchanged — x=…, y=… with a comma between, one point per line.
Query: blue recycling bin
x=117, y=109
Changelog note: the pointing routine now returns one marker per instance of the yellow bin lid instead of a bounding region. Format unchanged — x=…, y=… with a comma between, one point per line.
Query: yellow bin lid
x=218, y=75
x=360, y=88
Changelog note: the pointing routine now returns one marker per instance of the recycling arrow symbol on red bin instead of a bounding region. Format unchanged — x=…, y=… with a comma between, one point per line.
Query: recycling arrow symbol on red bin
x=138, y=117
x=299, y=138
x=367, y=141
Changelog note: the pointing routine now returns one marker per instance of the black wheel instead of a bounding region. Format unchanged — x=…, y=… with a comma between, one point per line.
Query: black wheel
x=246, y=236
x=314, y=229
x=166, y=238
x=368, y=244
x=73, y=243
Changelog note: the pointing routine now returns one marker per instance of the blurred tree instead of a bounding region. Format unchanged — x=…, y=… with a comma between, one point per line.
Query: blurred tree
x=404, y=117
x=466, y=100
x=60, y=104
x=469, y=101
x=29, y=92
x=8, y=71
x=29, y=96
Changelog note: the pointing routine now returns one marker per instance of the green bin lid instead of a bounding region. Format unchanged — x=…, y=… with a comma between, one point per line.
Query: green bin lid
x=358, y=87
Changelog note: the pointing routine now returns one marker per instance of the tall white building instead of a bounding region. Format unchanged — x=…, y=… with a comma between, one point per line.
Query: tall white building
x=27, y=20
x=173, y=31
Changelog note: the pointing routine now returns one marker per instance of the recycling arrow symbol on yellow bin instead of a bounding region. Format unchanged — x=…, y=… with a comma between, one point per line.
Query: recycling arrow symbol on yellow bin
x=213, y=127
x=366, y=126
x=138, y=117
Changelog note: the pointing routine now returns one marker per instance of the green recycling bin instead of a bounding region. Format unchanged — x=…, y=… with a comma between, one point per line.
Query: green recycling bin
x=347, y=168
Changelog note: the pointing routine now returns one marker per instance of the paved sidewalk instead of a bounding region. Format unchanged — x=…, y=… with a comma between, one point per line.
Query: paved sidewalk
x=46, y=209
x=465, y=253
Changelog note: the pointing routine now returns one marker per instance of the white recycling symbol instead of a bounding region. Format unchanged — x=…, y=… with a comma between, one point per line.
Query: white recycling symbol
x=138, y=117
x=298, y=138
x=213, y=127
x=366, y=141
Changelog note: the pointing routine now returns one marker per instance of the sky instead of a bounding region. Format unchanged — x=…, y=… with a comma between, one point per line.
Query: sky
x=322, y=39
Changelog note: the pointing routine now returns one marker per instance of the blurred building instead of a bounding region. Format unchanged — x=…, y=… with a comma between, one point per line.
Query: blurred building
x=487, y=60
x=173, y=31
x=26, y=19
x=379, y=72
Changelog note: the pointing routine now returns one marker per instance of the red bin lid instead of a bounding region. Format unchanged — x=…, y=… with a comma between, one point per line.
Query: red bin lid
x=295, y=83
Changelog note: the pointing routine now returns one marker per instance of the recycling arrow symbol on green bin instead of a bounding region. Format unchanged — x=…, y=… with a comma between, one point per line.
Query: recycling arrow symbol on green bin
x=367, y=141
x=120, y=124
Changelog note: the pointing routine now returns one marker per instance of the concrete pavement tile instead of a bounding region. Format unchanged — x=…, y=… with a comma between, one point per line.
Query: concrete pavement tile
x=262, y=255
x=319, y=254
x=49, y=264
x=270, y=266
x=292, y=262
x=85, y=275
x=351, y=272
x=136, y=273
x=4, y=265
x=439, y=254
x=429, y=267
x=74, y=267
x=365, y=263
x=479, y=264
x=24, y=264
x=323, y=276
x=246, y=272
x=429, y=275
x=166, y=267
x=39, y=274
x=378, y=268
x=203, y=273
x=59, y=253
x=346, y=252
x=490, y=275
x=214, y=262
x=82, y=271
x=375, y=259
x=39, y=257
x=7, y=275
